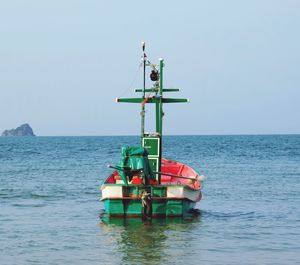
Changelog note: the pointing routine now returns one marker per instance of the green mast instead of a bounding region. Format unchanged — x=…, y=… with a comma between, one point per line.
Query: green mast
x=159, y=110
x=153, y=141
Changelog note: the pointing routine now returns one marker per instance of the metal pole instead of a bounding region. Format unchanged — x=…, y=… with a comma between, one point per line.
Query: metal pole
x=161, y=65
x=143, y=92
x=159, y=115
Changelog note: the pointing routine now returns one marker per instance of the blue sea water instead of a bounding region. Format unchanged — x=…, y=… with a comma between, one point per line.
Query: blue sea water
x=250, y=212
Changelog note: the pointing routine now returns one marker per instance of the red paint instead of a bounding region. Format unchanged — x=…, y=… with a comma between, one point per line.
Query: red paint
x=176, y=168
x=171, y=167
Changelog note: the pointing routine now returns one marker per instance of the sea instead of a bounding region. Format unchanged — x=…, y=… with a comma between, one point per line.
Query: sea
x=50, y=212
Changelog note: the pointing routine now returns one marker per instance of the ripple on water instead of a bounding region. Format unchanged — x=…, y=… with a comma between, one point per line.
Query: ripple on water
x=49, y=191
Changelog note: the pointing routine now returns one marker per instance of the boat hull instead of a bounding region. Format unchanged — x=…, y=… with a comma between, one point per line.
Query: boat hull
x=166, y=200
x=175, y=196
x=160, y=207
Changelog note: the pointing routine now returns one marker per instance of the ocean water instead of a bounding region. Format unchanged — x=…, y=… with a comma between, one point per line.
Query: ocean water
x=250, y=212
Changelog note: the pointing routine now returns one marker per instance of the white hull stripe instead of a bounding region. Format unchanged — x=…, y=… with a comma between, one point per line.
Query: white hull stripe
x=172, y=192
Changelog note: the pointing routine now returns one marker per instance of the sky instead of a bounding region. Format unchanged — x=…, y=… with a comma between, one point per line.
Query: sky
x=63, y=63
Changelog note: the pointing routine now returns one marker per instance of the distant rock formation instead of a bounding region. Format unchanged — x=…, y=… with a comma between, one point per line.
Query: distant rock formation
x=23, y=130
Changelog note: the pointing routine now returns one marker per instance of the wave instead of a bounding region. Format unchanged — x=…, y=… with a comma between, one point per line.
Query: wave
x=30, y=205
x=38, y=196
x=16, y=194
x=228, y=215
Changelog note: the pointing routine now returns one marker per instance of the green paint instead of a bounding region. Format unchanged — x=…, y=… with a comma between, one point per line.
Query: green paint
x=161, y=207
x=148, y=90
x=114, y=207
x=174, y=207
x=158, y=101
x=153, y=163
x=157, y=119
x=154, y=90
x=130, y=100
x=175, y=100
x=159, y=191
x=152, y=145
x=134, y=158
x=170, y=89
x=159, y=115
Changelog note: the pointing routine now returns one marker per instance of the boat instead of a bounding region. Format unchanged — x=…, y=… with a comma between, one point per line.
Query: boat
x=143, y=183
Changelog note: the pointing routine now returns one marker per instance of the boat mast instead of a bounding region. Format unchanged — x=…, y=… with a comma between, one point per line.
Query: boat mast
x=153, y=142
x=159, y=110
x=159, y=116
x=143, y=93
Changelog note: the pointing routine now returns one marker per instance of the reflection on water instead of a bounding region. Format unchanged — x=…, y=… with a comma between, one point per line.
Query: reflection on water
x=158, y=241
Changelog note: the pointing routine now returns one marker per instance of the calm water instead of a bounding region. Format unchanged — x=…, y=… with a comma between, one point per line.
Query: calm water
x=250, y=213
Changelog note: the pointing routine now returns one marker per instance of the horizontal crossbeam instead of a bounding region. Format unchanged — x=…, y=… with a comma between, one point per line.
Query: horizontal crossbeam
x=175, y=100
x=152, y=100
x=156, y=90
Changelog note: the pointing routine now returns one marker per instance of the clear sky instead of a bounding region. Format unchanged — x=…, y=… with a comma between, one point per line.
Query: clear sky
x=63, y=62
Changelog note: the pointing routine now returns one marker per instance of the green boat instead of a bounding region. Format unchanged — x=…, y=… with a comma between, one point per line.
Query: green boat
x=143, y=183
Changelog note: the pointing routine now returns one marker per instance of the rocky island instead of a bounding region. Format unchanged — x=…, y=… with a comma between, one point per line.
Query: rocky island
x=23, y=130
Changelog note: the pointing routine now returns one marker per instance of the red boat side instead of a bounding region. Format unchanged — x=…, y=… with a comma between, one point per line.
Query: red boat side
x=192, y=179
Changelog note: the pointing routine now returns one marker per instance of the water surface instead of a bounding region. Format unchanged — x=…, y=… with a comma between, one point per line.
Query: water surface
x=49, y=203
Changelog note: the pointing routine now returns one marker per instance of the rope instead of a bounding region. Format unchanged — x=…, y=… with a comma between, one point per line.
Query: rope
x=132, y=82
x=146, y=205
x=145, y=100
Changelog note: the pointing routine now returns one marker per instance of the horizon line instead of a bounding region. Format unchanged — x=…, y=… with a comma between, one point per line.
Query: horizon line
x=133, y=135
